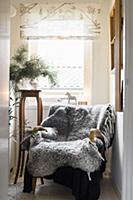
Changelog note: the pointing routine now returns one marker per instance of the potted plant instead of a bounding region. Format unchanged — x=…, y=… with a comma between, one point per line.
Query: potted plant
x=22, y=68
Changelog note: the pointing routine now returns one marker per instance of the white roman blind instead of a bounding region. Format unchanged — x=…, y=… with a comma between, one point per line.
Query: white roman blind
x=41, y=21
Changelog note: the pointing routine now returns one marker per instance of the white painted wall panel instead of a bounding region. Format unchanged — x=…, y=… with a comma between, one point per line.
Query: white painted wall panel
x=4, y=66
x=128, y=109
x=100, y=60
x=117, y=153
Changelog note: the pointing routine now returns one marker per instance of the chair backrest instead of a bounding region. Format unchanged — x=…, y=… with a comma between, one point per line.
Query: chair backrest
x=76, y=121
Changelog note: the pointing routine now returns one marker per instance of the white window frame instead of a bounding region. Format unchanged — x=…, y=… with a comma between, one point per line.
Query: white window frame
x=82, y=94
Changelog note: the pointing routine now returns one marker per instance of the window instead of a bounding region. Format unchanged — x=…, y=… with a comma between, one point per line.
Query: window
x=65, y=48
x=65, y=57
x=62, y=33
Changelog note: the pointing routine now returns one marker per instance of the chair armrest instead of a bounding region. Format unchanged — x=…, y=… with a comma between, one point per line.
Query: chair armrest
x=96, y=137
x=95, y=133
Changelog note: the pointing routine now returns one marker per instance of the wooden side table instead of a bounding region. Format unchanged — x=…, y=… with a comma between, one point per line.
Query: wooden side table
x=24, y=95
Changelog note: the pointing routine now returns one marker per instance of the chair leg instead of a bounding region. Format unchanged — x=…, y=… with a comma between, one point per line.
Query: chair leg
x=22, y=163
x=42, y=181
x=34, y=180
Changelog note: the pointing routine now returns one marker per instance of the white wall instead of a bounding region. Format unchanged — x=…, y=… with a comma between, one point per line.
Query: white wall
x=4, y=66
x=100, y=62
x=128, y=110
x=15, y=32
x=112, y=73
x=117, y=154
x=117, y=150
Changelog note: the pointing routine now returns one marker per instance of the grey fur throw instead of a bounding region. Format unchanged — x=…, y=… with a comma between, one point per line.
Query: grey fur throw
x=66, y=142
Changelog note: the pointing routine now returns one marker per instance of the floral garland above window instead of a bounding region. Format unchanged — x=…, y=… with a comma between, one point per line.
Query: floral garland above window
x=60, y=21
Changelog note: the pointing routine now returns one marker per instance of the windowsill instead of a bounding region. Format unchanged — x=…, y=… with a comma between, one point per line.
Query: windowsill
x=48, y=101
x=55, y=92
x=54, y=96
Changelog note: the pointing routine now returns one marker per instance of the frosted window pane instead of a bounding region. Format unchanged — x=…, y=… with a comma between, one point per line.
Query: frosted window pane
x=66, y=57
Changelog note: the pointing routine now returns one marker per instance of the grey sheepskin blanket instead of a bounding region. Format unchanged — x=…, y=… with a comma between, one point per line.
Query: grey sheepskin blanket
x=65, y=141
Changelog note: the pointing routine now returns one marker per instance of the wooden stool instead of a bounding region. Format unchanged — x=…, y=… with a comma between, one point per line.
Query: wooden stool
x=21, y=154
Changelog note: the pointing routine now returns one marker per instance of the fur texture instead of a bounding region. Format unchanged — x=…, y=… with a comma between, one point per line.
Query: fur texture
x=70, y=145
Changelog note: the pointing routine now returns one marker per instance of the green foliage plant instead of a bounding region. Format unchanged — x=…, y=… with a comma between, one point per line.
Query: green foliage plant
x=23, y=68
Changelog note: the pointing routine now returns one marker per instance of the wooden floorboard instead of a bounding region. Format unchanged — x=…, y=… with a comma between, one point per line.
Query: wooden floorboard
x=53, y=191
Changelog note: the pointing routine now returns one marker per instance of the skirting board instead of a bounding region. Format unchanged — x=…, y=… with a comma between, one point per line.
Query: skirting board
x=116, y=190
